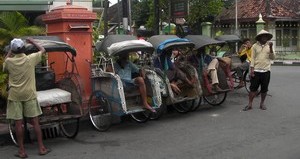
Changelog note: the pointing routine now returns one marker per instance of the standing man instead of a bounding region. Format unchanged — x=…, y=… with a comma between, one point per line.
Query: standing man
x=260, y=66
x=22, y=96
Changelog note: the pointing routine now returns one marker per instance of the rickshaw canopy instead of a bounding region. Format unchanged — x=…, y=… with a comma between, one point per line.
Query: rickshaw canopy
x=118, y=44
x=50, y=43
x=165, y=42
x=229, y=38
x=202, y=40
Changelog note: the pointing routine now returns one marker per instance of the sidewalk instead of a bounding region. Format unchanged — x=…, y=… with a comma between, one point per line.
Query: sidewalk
x=286, y=63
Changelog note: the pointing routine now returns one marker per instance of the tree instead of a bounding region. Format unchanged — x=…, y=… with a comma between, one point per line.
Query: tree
x=203, y=10
x=199, y=11
x=140, y=12
x=13, y=24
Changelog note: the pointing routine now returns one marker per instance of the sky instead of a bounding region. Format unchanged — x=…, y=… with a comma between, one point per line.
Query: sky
x=112, y=2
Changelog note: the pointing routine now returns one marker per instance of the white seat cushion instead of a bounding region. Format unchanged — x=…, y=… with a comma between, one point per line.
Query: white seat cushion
x=53, y=96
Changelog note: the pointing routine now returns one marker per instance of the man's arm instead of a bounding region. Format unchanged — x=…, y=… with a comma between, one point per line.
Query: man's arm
x=241, y=50
x=271, y=55
x=8, y=54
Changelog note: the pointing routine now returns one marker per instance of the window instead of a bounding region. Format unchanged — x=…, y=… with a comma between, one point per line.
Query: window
x=294, y=37
x=278, y=38
x=244, y=34
x=286, y=34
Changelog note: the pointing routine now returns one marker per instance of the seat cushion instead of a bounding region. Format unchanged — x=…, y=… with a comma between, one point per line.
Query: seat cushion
x=53, y=96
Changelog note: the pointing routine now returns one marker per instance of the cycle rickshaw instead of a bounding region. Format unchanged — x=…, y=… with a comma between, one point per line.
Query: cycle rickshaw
x=212, y=98
x=109, y=96
x=59, y=95
x=190, y=93
x=229, y=50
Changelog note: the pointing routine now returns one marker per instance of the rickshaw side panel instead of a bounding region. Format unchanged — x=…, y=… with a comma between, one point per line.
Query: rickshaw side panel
x=196, y=91
x=153, y=88
x=223, y=84
x=108, y=85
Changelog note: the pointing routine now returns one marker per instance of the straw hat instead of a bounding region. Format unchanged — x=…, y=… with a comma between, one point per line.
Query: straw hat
x=263, y=32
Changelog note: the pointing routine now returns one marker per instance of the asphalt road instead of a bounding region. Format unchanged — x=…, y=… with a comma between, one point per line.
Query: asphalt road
x=222, y=132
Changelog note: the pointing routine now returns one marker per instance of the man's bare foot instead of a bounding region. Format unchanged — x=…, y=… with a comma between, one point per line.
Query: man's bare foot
x=148, y=107
x=44, y=151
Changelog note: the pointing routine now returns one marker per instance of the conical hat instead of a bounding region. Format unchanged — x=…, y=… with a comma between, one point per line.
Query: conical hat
x=263, y=32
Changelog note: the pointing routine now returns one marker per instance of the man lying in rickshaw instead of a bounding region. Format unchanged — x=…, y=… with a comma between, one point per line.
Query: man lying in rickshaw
x=125, y=69
x=174, y=74
x=210, y=66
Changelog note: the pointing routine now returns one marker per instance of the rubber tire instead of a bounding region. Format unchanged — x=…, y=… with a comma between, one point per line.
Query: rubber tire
x=219, y=102
x=106, y=111
x=247, y=83
x=184, y=107
x=141, y=117
x=197, y=104
x=12, y=133
x=67, y=131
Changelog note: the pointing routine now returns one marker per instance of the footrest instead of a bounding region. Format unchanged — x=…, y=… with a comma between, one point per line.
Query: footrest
x=56, y=118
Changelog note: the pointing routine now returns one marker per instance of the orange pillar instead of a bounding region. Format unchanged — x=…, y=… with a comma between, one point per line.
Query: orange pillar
x=74, y=25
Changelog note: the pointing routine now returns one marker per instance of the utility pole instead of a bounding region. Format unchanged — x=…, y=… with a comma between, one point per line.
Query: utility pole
x=106, y=5
x=119, y=18
x=156, y=15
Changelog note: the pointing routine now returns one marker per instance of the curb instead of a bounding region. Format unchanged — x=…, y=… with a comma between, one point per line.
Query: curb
x=286, y=63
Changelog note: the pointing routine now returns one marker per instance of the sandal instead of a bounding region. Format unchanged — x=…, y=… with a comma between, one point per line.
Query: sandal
x=247, y=108
x=24, y=155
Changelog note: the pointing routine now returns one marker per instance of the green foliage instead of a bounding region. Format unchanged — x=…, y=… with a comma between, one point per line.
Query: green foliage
x=14, y=24
x=98, y=28
x=140, y=12
x=164, y=15
x=199, y=11
x=204, y=10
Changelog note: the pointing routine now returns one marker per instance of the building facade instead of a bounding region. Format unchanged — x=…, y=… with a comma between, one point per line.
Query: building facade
x=281, y=18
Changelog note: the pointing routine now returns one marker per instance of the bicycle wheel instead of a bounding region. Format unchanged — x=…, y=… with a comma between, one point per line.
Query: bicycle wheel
x=12, y=132
x=215, y=99
x=100, y=111
x=236, y=80
x=184, y=107
x=70, y=127
x=247, y=82
x=197, y=104
x=141, y=117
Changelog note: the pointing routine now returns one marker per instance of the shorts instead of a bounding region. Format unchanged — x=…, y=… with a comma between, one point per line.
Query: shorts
x=261, y=79
x=16, y=110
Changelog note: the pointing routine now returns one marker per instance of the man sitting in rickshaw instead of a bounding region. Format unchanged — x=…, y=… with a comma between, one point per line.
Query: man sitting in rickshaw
x=245, y=55
x=173, y=73
x=211, y=65
x=125, y=68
